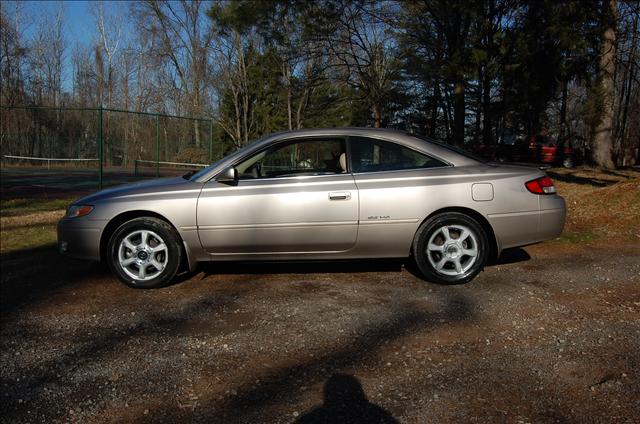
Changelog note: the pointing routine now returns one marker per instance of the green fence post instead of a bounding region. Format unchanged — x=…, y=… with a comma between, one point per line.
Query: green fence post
x=100, y=147
x=210, y=141
x=50, y=154
x=158, y=146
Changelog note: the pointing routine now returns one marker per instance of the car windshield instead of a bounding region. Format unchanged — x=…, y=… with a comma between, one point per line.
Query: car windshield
x=204, y=171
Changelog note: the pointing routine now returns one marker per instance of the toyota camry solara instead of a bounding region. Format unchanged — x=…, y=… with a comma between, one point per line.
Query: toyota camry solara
x=319, y=195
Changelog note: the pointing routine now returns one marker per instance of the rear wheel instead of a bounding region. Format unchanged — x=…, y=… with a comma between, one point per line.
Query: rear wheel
x=450, y=248
x=145, y=253
x=568, y=162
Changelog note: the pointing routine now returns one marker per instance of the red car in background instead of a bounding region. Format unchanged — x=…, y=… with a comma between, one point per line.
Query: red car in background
x=535, y=149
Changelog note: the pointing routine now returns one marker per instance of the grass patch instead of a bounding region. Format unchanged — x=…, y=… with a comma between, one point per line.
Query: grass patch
x=29, y=237
x=610, y=212
x=575, y=237
x=30, y=223
x=16, y=207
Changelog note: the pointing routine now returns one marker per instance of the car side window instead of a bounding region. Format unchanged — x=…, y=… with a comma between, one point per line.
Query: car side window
x=301, y=157
x=371, y=155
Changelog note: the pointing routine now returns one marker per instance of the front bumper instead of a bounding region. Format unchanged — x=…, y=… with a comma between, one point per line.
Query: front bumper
x=80, y=238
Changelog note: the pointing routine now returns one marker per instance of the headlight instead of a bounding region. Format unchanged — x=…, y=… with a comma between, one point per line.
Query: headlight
x=75, y=211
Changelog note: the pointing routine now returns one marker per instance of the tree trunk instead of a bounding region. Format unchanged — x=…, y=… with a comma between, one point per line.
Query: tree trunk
x=448, y=119
x=434, y=110
x=302, y=105
x=486, y=109
x=196, y=109
x=289, y=112
x=127, y=125
x=196, y=132
x=479, y=109
x=563, y=108
x=286, y=73
x=166, y=142
x=377, y=115
x=603, y=139
x=458, y=113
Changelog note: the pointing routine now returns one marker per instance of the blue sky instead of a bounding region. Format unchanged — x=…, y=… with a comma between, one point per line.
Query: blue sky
x=78, y=17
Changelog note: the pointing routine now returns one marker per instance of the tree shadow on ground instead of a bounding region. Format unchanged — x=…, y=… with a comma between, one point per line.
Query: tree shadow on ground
x=621, y=175
x=30, y=275
x=346, y=402
x=571, y=178
x=252, y=399
x=83, y=353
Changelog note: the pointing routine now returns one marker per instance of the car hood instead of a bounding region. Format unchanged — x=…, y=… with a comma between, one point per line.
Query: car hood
x=159, y=185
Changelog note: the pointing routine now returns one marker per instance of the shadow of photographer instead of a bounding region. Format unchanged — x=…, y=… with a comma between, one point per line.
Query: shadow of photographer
x=346, y=402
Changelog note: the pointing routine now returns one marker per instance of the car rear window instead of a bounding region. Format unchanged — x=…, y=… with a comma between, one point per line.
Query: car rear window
x=372, y=155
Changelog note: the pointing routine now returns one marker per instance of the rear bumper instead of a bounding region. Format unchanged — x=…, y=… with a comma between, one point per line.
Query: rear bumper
x=553, y=212
x=551, y=223
x=79, y=238
x=523, y=228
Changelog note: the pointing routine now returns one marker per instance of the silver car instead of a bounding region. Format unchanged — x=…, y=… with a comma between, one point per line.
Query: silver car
x=326, y=194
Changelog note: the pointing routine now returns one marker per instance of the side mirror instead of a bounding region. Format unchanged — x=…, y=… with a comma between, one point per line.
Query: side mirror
x=228, y=176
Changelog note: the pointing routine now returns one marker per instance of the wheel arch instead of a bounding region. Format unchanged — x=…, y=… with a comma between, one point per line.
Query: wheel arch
x=123, y=217
x=484, y=223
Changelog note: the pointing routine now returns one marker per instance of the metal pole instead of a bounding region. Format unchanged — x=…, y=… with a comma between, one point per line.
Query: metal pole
x=50, y=154
x=210, y=141
x=100, y=148
x=158, y=146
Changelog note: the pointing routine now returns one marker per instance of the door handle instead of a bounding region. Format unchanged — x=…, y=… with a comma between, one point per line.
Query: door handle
x=339, y=195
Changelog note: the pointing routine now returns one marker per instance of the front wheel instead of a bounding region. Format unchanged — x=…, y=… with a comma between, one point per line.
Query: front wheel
x=450, y=248
x=145, y=253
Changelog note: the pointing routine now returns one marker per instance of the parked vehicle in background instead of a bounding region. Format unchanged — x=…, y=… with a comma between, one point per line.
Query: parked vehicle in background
x=540, y=149
x=344, y=193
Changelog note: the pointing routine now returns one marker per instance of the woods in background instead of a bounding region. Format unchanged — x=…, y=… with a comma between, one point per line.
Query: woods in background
x=468, y=72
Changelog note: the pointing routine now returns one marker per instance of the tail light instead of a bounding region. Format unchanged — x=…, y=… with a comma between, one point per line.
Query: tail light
x=542, y=185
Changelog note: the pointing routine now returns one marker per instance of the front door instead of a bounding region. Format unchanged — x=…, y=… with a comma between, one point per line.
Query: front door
x=294, y=197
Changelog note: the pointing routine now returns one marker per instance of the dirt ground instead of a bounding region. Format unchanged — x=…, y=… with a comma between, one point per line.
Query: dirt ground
x=550, y=334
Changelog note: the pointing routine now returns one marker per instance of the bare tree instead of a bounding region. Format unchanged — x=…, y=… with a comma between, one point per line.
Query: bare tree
x=183, y=40
x=107, y=47
x=13, y=53
x=234, y=83
x=84, y=86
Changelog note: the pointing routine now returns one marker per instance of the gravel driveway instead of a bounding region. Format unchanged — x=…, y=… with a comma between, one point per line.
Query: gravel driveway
x=551, y=334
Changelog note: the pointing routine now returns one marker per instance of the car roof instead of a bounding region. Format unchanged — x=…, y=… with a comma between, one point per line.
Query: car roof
x=426, y=145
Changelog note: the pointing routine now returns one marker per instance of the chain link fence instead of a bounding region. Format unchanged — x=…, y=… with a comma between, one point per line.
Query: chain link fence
x=87, y=148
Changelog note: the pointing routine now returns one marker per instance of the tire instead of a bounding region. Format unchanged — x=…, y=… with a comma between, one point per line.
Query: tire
x=158, y=257
x=447, y=260
x=568, y=162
